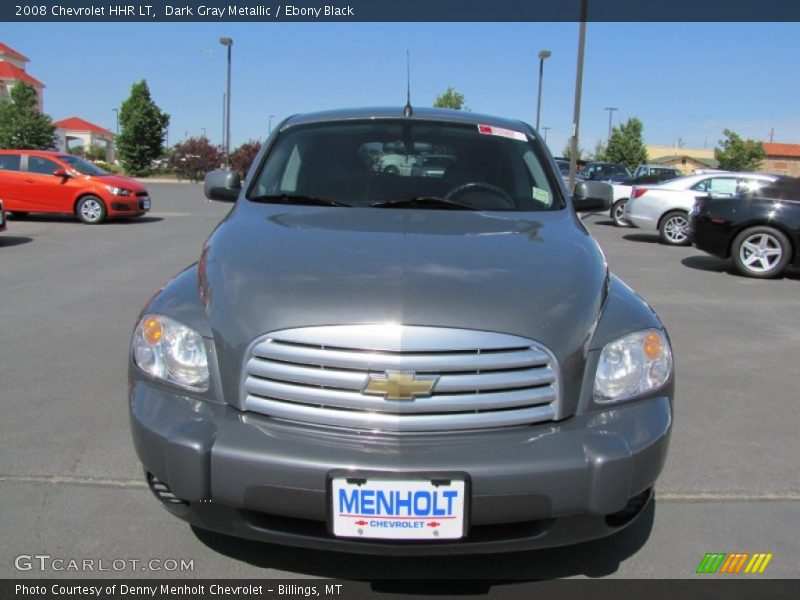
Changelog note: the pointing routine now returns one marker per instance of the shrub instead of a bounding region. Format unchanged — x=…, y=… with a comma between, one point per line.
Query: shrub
x=193, y=158
x=243, y=157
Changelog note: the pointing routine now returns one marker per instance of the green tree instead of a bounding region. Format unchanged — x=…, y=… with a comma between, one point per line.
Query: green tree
x=626, y=145
x=142, y=129
x=737, y=154
x=567, y=152
x=599, y=152
x=22, y=126
x=450, y=99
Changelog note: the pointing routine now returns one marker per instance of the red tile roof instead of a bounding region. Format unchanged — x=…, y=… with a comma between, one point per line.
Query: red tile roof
x=9, y=71
x=78, y=124
x=8, y=51
x=774, y=149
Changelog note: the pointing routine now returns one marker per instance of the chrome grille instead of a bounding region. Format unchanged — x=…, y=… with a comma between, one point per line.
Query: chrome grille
x=484, y=380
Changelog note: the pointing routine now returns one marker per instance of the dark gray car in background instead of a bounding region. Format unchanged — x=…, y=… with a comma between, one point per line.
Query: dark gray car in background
x=401, y=363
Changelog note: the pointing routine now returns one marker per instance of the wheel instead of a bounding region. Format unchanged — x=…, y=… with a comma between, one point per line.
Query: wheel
x=761, y=252
x=618, y=214
x=91, y=210
x=674, y=228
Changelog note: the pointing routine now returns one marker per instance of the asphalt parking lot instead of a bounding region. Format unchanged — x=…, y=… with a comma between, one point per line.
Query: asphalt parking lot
x=72, y=487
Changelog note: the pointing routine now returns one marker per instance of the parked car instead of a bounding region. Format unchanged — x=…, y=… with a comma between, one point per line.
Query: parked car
x=658, y=172
x=3, y=222
x=606, y=171
x=586, y=195
x=432, y=165
x=53, y=182
x=758, y=229
x=644, y=175
x=387, y=364
x=665, y=207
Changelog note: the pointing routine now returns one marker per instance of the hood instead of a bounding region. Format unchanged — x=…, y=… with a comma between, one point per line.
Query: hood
x=120, y=181
x=270, y=267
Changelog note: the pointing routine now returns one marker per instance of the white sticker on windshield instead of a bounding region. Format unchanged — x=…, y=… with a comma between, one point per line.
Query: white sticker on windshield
x=541, y=195
x=508, y=133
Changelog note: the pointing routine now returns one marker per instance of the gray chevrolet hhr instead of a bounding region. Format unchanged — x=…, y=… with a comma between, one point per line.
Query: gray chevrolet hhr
x=401, y=361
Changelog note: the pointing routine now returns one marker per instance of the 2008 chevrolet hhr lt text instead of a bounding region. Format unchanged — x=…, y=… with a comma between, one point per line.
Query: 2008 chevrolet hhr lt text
x=378, y=355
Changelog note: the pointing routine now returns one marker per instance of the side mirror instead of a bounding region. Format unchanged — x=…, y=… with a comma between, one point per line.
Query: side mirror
x=61, y=173
x=592, y=196
x=222, y=185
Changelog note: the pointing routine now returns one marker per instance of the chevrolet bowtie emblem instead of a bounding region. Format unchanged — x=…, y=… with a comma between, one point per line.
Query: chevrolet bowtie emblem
x=399, y=385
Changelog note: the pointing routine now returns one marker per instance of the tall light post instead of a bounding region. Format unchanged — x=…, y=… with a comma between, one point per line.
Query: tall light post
x=542, y=55
x=116, y=116
x=545, y=129
x=576, y=111
x=270, y=124
x=226, y=41
x=610, y=110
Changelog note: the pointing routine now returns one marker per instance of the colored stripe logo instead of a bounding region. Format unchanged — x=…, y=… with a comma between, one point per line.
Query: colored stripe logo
x=734, y=563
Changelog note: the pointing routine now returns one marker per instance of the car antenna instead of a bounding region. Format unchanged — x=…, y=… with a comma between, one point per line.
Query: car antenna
x=408, y=111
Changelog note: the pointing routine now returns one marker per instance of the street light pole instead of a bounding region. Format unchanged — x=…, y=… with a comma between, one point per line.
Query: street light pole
x=576, y=112
x=545, y=129
x=270, y=124
x=610, y=110
x=226, y=41
x=116, y=115
x=542, y=55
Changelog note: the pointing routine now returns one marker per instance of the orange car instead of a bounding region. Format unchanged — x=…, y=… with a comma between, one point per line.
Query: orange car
x=53, y=182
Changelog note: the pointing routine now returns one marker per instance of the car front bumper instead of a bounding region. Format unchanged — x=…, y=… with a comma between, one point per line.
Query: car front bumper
x=255, y=477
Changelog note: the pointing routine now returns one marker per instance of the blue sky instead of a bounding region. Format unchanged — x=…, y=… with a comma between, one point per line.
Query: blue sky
x=684, y=80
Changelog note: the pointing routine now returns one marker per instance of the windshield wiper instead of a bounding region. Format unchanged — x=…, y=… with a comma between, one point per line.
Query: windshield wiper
x=297, y=199
x=423, y=201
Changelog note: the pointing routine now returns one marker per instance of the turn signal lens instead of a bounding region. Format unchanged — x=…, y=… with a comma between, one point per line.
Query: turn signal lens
x=653, y=346
x=152, y=330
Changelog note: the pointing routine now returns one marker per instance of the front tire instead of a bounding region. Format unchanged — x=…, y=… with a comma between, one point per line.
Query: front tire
x=761, y=252
x=674, y=228
x=618, y=214
x=91, y=210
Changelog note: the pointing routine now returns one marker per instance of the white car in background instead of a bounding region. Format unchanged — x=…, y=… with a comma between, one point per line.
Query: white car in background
x=665, y=207
x=644, y=175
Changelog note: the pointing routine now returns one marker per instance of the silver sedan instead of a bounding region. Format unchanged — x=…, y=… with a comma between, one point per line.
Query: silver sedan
x=665, y=207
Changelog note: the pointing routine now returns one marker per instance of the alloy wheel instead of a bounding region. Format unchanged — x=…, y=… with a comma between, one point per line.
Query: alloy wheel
x=760, y=252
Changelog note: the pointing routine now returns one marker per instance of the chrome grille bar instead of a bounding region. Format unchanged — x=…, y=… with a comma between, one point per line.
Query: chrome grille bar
x=315, y=375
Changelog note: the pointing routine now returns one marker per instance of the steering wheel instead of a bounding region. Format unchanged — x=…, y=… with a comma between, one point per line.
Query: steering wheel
x=479, y=186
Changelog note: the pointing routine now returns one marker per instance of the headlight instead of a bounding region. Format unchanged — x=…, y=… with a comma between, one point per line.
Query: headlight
x=118, y=191
x=632, y=365
x=171, y=351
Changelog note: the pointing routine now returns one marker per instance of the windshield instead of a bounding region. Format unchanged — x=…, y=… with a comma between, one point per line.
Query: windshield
x=83, y=167
x=407, y=164
x=610, y=170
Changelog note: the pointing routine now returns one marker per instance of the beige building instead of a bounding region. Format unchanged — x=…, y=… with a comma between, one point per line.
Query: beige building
x=685, y=159
x=12, y=71
x=782, y=159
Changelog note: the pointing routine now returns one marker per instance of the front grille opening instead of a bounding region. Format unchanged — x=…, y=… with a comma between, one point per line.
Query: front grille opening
x=477, y=533
x=165, y=495
x=315, y=377
x=631, y=510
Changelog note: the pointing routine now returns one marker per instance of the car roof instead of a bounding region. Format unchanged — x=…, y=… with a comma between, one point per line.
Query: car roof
x=34, y=152
x=418, y=114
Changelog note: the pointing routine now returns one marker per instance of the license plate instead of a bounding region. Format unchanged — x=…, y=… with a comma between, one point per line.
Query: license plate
x=146, y=204
x=398, y=509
